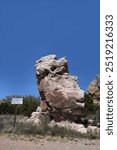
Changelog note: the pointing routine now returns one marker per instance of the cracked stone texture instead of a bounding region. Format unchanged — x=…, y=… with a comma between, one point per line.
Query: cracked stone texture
x=94, y=90
x=61, y=96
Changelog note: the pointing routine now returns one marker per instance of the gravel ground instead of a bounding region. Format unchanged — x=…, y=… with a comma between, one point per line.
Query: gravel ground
x=34, y=143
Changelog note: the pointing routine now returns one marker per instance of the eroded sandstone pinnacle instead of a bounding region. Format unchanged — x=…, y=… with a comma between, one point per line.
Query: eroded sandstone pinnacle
x=61, y=96
x=94, y=90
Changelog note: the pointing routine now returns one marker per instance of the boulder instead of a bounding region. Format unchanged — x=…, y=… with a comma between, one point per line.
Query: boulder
x=38, y=117
x=93, y=130
x=60, y=93
x=79, y=128
x=70, y=126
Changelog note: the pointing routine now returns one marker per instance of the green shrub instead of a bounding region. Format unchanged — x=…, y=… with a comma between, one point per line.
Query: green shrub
x=30, y=104
x=92, y=110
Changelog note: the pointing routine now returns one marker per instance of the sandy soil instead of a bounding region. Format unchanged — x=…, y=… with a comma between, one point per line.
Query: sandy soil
x=48, y=143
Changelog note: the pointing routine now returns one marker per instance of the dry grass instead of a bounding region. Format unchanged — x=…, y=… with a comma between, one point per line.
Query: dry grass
x=23, y=128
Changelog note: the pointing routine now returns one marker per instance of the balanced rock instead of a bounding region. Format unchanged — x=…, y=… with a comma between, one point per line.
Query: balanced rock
x=94, y=90
x=60, y=94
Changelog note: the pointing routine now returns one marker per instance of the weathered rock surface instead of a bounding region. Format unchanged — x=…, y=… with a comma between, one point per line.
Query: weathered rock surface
x=94, y=90
x=38, y=117
x=61, y=96
x=76, y=127
x=35, y=118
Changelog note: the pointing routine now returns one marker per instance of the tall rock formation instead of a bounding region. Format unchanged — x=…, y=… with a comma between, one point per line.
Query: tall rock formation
x=61, y=96
x=94, y=90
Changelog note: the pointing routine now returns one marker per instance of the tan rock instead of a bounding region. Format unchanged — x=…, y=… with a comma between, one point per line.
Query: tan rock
x=70, y=126
x=94, y=90
x=76, y=127
x=59, y=91
x=93, y=129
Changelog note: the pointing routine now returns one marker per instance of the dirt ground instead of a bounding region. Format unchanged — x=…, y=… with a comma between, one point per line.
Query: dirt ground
x=38, y=143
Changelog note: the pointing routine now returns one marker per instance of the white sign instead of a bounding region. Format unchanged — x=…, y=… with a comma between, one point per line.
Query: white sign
x=17, y=101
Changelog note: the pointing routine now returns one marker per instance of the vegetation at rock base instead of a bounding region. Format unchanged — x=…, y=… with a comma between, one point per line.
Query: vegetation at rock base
x=43, y=129
x=30, y=103
x=91, y=110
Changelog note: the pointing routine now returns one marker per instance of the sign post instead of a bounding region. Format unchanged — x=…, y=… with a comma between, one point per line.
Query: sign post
x=16, y=101
x=14, y=124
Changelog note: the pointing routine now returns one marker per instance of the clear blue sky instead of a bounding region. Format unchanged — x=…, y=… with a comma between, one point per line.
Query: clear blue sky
x=30, y=29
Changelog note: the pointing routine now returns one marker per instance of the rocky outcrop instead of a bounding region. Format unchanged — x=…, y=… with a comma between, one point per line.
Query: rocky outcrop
x=76, y=127
x=61, y=96
x=38, y=117
x=94, y=90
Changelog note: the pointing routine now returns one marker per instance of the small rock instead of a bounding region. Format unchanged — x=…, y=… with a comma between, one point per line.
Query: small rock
x=90, y=121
